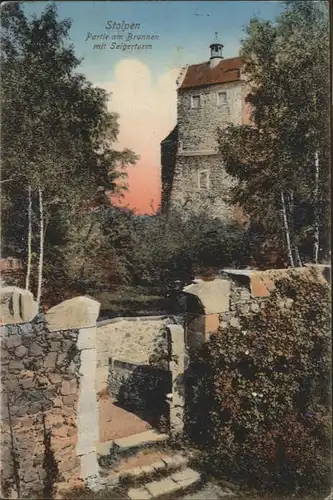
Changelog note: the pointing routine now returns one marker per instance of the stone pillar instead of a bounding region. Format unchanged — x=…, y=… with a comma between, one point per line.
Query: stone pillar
x=82, y=313
x=17, y=305
x=205, y=301
x=88, y=410
x=177, y=368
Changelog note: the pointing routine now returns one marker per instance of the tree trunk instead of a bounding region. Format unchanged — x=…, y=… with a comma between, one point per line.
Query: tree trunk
x=287, y=231
x=292, y=228
x=316, y=224
x=41, y=247
x=27, y=278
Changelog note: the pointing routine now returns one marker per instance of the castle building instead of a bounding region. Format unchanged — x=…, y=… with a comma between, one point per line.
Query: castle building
x=210, y=95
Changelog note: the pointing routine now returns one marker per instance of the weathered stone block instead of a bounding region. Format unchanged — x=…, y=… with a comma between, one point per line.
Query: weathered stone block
x=55, y=378
x=55, y=346
x=234, y=323
x=162, y=487
x=61, y=358
x=68, y=387
x=34, y=408
x=16, y=365
x=21, y=351
x=138, y=494
x=35, y=350
x=50, y=360
x=78, y=312
x=69, y=400
x=245, y=295
x=27, y=383
x=13, y=341
x=255, y=307
x=42, y=380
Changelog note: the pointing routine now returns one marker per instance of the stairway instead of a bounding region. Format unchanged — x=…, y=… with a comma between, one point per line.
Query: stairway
x=142, y=467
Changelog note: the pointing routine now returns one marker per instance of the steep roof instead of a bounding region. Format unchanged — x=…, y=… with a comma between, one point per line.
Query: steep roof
x=198, y=75
x=172, y=136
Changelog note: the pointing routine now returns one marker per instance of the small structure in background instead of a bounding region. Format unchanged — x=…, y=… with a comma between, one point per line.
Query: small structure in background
x=10, y=269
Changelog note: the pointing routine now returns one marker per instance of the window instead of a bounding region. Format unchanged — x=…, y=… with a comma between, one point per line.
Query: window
x=203, y=179
x=195, y=101
x=221, y=98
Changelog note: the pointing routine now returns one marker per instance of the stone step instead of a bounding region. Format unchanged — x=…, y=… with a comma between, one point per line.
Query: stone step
x=159, y=467
x=155, y=465
x=136, y=441
x=129, y=445
x=175, y=483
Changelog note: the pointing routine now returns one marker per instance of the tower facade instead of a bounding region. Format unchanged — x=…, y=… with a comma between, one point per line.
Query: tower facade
x=210, y=95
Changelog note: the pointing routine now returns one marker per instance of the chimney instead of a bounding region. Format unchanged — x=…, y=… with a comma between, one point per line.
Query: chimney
x=215, y=52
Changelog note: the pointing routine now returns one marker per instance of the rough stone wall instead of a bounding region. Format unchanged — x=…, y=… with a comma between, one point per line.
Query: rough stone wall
x=142, y=388
x=39, y=389
x=130, y=339
x=190, y=198
x=241, y=304
x=197, y=150
x=49, y=409
x=198, y=126
x=120, y=371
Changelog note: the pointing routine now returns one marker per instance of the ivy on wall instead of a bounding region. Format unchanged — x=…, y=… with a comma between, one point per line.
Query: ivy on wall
x=265, y=388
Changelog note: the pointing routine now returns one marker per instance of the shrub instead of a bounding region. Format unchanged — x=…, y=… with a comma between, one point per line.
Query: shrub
x=268, y=417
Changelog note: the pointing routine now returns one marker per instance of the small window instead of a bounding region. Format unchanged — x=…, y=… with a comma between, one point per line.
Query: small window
x=195, y=101
x=203, y=179
x=221, y=98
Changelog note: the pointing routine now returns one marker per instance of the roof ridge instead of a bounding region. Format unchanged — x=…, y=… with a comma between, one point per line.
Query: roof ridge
x=207, y=62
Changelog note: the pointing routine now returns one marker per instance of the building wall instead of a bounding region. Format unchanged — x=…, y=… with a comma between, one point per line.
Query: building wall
x=191, y=198
x=198, y=126
x=200, y=183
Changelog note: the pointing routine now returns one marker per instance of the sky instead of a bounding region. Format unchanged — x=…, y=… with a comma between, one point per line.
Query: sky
x=143, y=82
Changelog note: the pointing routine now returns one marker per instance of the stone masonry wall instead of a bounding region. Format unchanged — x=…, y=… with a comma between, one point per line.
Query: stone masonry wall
x=130, y=339
x=142, y=388
x=241, y=304
x=198, y=126
x=39, y=392
x=197, y=150
x=49, y=407
x=190, y=198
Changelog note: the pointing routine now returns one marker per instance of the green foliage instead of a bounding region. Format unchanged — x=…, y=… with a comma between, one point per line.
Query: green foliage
x=287, y=67
x=57, y=135
x=168, y=249
x=266, y=388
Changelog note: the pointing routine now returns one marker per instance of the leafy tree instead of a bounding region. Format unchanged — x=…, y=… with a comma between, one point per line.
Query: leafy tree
x=169, y=249
x=57, y=134
x=281, y=159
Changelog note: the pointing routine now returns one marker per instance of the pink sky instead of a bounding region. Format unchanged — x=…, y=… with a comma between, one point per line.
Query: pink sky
x=147, y=113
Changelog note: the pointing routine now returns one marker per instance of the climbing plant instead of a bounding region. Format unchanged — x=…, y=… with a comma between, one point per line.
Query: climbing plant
x=265, y=389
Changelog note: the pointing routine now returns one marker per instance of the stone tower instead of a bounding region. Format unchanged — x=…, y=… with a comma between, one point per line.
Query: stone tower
x=209, y=95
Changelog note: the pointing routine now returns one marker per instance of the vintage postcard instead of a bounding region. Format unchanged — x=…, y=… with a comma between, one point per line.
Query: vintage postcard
x=165, y=250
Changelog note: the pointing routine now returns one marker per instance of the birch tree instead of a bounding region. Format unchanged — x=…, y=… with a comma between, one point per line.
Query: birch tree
x=57, y=137
x=281, y=160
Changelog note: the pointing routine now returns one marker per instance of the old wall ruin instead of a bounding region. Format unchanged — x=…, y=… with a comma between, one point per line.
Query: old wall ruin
x=211, y=306
x=141, y=362
x=129, y=340
x=48, y=398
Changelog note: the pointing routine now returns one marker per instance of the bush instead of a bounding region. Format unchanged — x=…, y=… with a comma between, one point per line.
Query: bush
x=268, y=420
